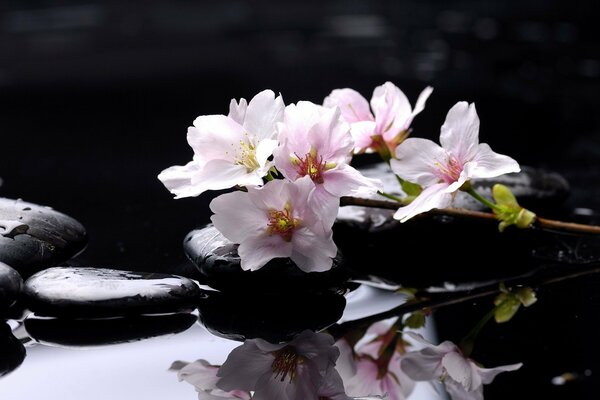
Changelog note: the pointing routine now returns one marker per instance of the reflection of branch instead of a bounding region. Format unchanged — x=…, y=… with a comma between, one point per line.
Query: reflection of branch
x=542, y=223
x=535, y=278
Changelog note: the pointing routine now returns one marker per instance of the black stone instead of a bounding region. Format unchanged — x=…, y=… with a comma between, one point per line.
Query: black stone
x=219, y=264
x=12, y=351
x=275, y=318
x=97, y=292
x=11, y=284
x=33, y=237
x=69, y=332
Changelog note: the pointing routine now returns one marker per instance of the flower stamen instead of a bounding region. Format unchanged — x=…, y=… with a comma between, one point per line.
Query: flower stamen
x=286, y=363
x=247, y=156
x=450, y=171
x=282, y=222
x=312, y=165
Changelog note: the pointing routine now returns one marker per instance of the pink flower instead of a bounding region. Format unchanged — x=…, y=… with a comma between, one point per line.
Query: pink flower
x=315, y=142
x=392, y=115
x=203, y=376
x=298, y=370
x=441, y=171
x=375, y=372
x=463, y=378
x=276, y=221
x=228, y=150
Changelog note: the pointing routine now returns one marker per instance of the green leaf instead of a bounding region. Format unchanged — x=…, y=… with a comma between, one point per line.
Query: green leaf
x=506, y=309
x=508, y=210
x=411, y=189
x=415, y=320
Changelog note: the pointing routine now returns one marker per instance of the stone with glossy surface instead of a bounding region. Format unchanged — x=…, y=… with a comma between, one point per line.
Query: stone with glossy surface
x=68, y=332
x=93, y=292
x=217, y=259
x=33, y=237
x=277, y=318
x=11, y=284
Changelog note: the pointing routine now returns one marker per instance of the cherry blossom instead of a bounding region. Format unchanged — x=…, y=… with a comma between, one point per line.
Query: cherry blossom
x=316, y=142
x=229, y=150
x=388, y=124
x=298, y=370
x=203, y=376
x=442, y=170
x=463, y=378
x=375, y=370
x=276, y=221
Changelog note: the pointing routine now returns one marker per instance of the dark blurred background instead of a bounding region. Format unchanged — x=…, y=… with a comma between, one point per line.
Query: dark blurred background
x=96, y=97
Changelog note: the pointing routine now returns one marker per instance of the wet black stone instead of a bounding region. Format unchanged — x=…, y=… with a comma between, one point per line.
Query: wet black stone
x=12, y=351
x=11, y=284
x=33, y=237
x=540, y=190
x=219, y=263
x=96, y=292
x=105, y=331
x=275, y=318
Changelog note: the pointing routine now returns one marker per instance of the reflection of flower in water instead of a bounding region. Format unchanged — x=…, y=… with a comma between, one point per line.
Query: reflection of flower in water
x=203, y=376
x=301, y=369
x=373, y=367
x=463, y=378
x=294, y=370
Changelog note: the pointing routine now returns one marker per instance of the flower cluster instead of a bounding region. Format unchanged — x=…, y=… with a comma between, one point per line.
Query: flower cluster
x=292, y=164
x=311, y=366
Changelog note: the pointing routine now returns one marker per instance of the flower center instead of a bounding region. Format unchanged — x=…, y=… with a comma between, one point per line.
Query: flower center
x=282, y=222
x=247, y=156
x=286, y=363
x=450, y=171
x=312, y=165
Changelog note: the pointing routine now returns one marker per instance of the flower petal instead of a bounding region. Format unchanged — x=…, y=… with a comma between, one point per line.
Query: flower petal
x=421, y=100
x=346, y=181
x=432, y=197
x=488, y=374
x=222, y=174
x=423, y=365
x=488, y=164
x=311, y=252
x=236, y=217
x=460, y=132
x=264, y=111
x=417, y=159
x=362, y=133
x=264, y=150
x=353, y=105
x=237, y=112
x=256, y=251
x=331, y=137
x=391, y=109
x=325, y=207
x=461, y=370
x=458, y=392
x=243, y=367
x=178, y=179
x=215, y=137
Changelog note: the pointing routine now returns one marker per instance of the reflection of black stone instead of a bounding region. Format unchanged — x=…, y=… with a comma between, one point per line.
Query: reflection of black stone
x=33, y=237
x=10, y=286
x=96, y=292
x=12, y=351
x=276, y=318
x=96, y=332
x=218, y=261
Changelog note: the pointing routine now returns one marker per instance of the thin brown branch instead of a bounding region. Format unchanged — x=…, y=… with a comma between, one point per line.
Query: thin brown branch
x=542, y=223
